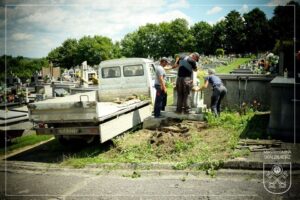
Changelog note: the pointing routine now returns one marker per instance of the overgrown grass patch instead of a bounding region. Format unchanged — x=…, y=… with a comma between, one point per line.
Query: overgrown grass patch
x=20, y=142
x=211, y=144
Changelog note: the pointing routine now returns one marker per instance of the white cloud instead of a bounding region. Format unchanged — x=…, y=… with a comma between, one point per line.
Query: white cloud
x=244, y=9
x=278, y=2
x=214, y=10
x=21, y=36
x=218, y=20
x=178, y=4
x=50, y=25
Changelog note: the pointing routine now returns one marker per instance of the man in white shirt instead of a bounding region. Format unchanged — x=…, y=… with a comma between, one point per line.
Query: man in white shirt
x=160, y=86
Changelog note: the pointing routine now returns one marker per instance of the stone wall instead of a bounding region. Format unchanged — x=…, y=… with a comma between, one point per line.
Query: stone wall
x=257, y=88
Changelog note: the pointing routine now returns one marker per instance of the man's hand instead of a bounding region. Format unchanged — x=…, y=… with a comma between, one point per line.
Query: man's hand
x=163, y=88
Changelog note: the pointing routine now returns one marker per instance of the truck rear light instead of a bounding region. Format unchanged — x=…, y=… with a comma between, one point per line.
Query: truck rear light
x=42, y=125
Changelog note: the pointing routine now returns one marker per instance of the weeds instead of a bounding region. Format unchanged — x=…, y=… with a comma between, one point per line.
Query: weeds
x=134, y=174
x=210, y=145
x=24, y=141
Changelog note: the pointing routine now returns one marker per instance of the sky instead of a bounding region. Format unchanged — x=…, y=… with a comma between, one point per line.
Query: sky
x=33, y=28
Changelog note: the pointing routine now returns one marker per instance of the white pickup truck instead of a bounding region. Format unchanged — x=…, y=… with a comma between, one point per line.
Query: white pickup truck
x=95, y=114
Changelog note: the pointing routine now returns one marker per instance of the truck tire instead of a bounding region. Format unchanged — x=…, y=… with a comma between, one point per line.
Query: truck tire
x=63, y=141
x=94, y=139
x=69, y=141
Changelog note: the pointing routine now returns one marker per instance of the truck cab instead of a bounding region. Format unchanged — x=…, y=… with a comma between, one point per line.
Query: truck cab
x=121, y=78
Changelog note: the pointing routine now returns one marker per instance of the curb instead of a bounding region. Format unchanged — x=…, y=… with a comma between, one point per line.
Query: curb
x=231, y=164
x=28, y=148
x=41, y=168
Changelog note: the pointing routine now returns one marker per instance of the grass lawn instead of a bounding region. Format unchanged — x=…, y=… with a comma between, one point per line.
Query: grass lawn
x=228, y=68
x=170, y=95
x=211, y=142
x=24, y=141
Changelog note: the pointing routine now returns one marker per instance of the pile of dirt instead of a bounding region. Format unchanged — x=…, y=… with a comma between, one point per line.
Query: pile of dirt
x=166, y=137
x=169, y=133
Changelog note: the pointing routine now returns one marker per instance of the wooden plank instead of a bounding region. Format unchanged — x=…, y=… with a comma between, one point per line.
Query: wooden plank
x=259, y=142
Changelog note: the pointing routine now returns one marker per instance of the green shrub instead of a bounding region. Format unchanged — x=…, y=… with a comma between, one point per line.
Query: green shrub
x=220, y=52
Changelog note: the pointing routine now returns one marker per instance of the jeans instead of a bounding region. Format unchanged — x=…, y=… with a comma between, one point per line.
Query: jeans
x=160, y=101
x=218, y=94
x=183, y=86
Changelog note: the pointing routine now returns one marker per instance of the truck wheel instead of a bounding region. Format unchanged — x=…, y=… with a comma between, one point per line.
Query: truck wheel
x=63, y=141
x=92, y=139
x=69, y=141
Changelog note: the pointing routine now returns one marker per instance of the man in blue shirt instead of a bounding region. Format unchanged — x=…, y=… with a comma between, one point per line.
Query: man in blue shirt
x=219, y=91
x=160, y=86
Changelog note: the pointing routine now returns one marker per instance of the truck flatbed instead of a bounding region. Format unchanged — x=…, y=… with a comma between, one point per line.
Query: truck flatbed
x=81, y=114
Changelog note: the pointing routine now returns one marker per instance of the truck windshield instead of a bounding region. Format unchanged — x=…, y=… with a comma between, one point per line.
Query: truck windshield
x=111, y=72
x=133, y=70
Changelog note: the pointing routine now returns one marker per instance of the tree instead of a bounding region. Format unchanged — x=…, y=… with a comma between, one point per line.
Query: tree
x=282, y=23
x=202, y=32
x=116, y=51
x=90, y=49
x=180, y=38
x=149, y=40
x=235, y=35
x=129, y=45
x=69, y=53
x=21, y=67
x=164, y=39
x=164, y=32
x=283, y=26
x=257, y=31
x=218, y=37
x=55, y=56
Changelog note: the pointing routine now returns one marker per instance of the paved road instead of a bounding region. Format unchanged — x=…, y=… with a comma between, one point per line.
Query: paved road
x=48, y=183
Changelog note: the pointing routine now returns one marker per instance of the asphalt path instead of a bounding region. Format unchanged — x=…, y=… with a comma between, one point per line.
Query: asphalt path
x=43, y=181
x=37, y=174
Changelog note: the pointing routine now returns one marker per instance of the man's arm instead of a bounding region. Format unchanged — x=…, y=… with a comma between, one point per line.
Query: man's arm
x=176, y=64
x=194, y=65
x=162, y=84
x=205, y=85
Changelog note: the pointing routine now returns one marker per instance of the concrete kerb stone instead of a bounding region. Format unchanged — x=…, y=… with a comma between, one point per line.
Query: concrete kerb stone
x=142, y=169
x=231, y=164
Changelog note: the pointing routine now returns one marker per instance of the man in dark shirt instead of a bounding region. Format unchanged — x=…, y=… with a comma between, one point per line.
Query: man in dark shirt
x=187, y=64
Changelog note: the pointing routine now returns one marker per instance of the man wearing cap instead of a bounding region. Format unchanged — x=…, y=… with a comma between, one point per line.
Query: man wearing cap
x=187, y=64
x=219, y=91
x=160, y=86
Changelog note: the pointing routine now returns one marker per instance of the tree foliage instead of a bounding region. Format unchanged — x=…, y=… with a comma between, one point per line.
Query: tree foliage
x=235, y=32
x=257, y=31
x=218, y=35
x=20, y=66
x=155, y=40
x=202, y=32
x=91, y=49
